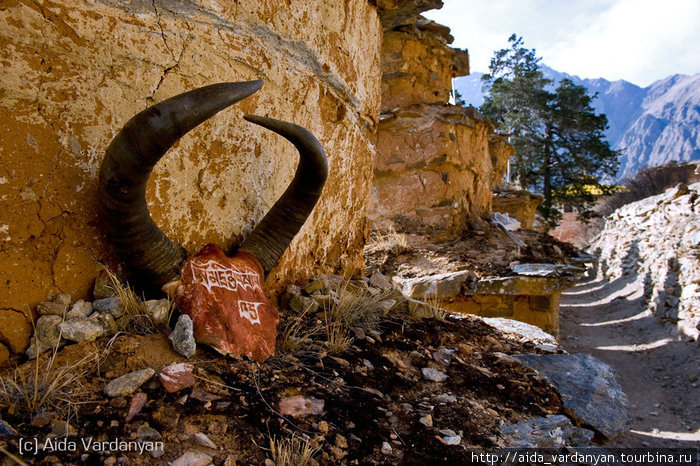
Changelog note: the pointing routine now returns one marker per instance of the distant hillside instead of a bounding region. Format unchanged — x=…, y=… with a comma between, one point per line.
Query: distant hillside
x=652, y=125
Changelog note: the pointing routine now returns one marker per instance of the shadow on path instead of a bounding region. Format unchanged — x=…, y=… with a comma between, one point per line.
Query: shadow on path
x=656, y=370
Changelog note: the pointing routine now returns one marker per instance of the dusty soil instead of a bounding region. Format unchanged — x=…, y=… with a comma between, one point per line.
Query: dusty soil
x=487, y=252
x=658, y=371
x=373, y=392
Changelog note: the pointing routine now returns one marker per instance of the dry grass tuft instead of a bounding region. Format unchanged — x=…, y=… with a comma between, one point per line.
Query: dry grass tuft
x=391, y=241
x=296, y=334
x=356, y=306
x=338, y=336
x=136, y=318
x=293, y=451
x=41, y=386
x=433, y=310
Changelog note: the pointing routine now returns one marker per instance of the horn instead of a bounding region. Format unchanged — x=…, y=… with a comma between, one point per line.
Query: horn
x=151, y=258
x=271, y=237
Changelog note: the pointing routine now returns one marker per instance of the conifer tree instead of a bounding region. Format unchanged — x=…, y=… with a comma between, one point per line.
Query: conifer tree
x=560, y=148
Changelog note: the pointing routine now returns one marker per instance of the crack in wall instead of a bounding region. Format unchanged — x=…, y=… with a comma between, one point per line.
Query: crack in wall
x=297, y=51
x=162, y=31
x=177, y=59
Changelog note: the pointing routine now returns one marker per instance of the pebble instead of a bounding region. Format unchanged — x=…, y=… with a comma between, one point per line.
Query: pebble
x=106, y=321
x=194, y=458
x=177, y=376
x=453, y=440
x=136, y=405
x=62, y=428
x=103, y=286
x=301, y=304
x=182, y=336
x=315, y=285
x=298, y=406
x=158, y=309
x=447, y=399
x=43, y=419
x=46, y=335
x=443, y=356
x=47, y=308
x=341, y=442
x=118, y=402
x=386, y=305
x=112, y=305
x=127, y=384
x=204, y=441
x=7, y=429
x=63, y=299
x=433, y=374
x=323, y=427
x=386, y=448
x=427, y=420
x=79, y=309
x=147, y=433
x=379, y=280
x=80, y=330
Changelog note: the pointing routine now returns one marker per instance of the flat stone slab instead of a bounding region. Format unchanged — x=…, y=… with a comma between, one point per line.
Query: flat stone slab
x=587, y=387
x=524, y=332
x=440, y=286
x=548, y=270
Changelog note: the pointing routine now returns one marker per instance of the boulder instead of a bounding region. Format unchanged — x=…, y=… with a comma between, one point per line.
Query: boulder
x=588, y=389
x=440, y=286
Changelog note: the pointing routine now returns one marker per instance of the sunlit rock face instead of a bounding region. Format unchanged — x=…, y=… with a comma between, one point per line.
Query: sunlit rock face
x=436, y=163
x=75, y=72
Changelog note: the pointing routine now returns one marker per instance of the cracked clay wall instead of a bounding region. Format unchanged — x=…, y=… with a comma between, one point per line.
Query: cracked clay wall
x=75, y=71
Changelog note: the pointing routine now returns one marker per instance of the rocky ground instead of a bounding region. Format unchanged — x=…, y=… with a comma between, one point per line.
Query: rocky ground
x=399, y=391
x=485, y=251
x=362, y=374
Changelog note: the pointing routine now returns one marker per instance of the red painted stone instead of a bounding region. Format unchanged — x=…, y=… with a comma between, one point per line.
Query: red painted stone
x=224, y=298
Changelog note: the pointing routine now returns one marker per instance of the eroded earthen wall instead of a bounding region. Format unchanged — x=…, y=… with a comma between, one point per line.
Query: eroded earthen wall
x=436, y=163
x=75, y=71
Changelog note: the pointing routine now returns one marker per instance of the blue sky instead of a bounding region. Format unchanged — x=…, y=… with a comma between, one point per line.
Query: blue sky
x=636, y=40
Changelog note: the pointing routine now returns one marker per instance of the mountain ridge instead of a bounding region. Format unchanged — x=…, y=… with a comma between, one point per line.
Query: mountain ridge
x=651, y=125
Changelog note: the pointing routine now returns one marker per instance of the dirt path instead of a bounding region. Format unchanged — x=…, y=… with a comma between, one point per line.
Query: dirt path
x=658, y=372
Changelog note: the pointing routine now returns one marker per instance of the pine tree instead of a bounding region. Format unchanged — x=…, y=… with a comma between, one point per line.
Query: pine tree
x=560, y=149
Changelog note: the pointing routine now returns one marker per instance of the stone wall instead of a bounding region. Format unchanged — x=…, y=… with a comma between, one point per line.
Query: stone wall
x=655, y=243
x=531, y=294
x=436, y=163
x=75, y=71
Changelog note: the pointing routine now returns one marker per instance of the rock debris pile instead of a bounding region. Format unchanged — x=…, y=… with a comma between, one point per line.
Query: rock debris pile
x=657, y=240
x=359, y=376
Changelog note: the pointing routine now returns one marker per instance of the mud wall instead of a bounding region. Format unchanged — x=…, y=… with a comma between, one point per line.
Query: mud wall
x=75, y=71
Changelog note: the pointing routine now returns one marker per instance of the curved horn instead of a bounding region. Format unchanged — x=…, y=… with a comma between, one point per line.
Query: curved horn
x=272, y=236
x=152, y=258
